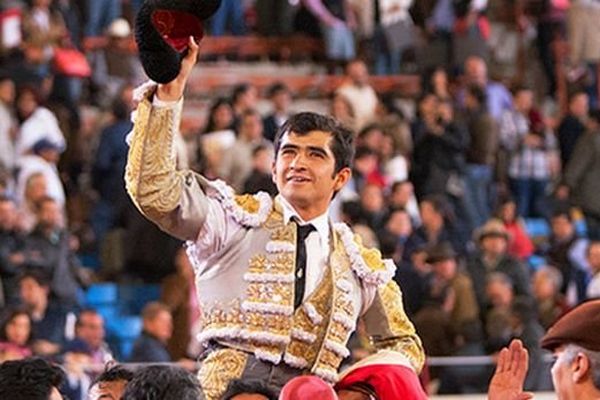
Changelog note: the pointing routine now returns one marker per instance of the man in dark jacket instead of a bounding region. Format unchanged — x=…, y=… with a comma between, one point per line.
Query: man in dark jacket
x=151, y=346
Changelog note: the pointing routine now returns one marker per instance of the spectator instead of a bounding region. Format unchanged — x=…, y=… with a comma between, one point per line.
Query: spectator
x=43, y=159
x=36, y=190
x=359, y=93
x=32, y=378
x=100, y=14
x=402, y=196
x=437, y=223
x=50, y=323
x=398, y=227
x=566, y=251
x=593, y=256
x=446, y=273
x=529, y=155
x=341, y=109
x=76, y=357
x=280, y=97
x=43, y=28
x=110, y=384
x=15, y=335
x=178, y=293
x=260, y=177
x=229, y=15
x=520, y=245
x=162, y=383
x=151, y=346
x=439, y=162
x=572, y=126
x=90, y=330
x=12, y=257
x=218, y=137
x=337, y=22
x=243, y=98
x=237, y=162
x=481, y=154
x=582, y=176
x=7, y=122
x=499, y=293
x=49, y=248
x=239, y=390
x=108, y=171
x=492, y=240
x=498, y=97
x=551, y=304
x=526, y=328
x=37, y=122
x=372, y=204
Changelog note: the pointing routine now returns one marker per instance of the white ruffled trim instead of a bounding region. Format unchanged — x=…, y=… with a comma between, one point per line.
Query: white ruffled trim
x=267, y=356
x=313, y=314
x=327, y=374
x=339, y=349
x=267, y=308
x=344, y=285
x=265, y=337
x=140, y=92
x=264, y=278
x=296, y=362
x=192, y=252
x=346, y=321
x=358, y=263
x=241, y=216
x=206, y=335
x=303, y=336
x=279, y=246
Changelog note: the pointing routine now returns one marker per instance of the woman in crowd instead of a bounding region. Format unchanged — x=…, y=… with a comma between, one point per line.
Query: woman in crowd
x=15, y=335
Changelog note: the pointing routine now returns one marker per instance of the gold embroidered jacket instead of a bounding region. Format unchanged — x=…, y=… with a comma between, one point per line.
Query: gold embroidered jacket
x=246, y=288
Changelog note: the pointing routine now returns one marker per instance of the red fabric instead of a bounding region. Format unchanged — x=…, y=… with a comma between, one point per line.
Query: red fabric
x=176, y=27
x=307, y=387
x=519, y=245
x=391, y=382
x=71, y=62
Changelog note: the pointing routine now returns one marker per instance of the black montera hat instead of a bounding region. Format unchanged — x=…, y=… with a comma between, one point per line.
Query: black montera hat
x=162, y=31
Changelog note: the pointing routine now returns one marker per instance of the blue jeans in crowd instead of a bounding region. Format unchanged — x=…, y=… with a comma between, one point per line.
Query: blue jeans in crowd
x=530, y=196
x=100, y=15
x=477, y=192
x=231, y=12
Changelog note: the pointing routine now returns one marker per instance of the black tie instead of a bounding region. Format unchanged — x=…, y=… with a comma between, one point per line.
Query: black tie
x=303, y=232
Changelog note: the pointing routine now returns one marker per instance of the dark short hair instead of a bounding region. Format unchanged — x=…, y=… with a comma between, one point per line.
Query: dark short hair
x=342, y=144
x=29, y=379
x=240, y=90
x=239, y=386
x=41, y=277
x=85, y=310
x=162, y=382
x=276, y=88
x=478, y=93
x=114, y=373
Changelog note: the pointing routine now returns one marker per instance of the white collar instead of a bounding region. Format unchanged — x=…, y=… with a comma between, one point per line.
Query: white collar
x=321, y=223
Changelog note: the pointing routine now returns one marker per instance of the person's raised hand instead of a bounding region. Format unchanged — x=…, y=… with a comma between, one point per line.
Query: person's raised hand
x=511, y=370
x=173, y=90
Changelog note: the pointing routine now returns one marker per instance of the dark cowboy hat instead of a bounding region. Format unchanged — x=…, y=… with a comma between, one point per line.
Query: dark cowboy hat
x=162, y=31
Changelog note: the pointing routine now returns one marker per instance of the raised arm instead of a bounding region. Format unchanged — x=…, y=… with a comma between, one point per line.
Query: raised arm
x=174, y=200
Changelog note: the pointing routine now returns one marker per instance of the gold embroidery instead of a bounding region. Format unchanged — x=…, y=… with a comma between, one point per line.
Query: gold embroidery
x=151, y=176
x=409, y=344
x=248, y=203
x=218, y=369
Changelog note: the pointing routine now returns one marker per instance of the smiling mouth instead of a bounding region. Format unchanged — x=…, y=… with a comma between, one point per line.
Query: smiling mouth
x=298, y=179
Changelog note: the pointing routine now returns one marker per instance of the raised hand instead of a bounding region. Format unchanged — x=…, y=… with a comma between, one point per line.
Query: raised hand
x=511, y=369
x=173, y=90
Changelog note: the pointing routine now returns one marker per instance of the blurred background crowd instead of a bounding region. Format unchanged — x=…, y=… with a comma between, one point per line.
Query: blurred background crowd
x=482, y=184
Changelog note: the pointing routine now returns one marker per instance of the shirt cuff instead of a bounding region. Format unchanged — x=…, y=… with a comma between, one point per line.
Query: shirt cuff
x=156, y=102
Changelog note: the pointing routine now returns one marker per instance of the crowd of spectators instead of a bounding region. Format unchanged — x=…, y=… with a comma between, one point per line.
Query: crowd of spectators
x=447, y=192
